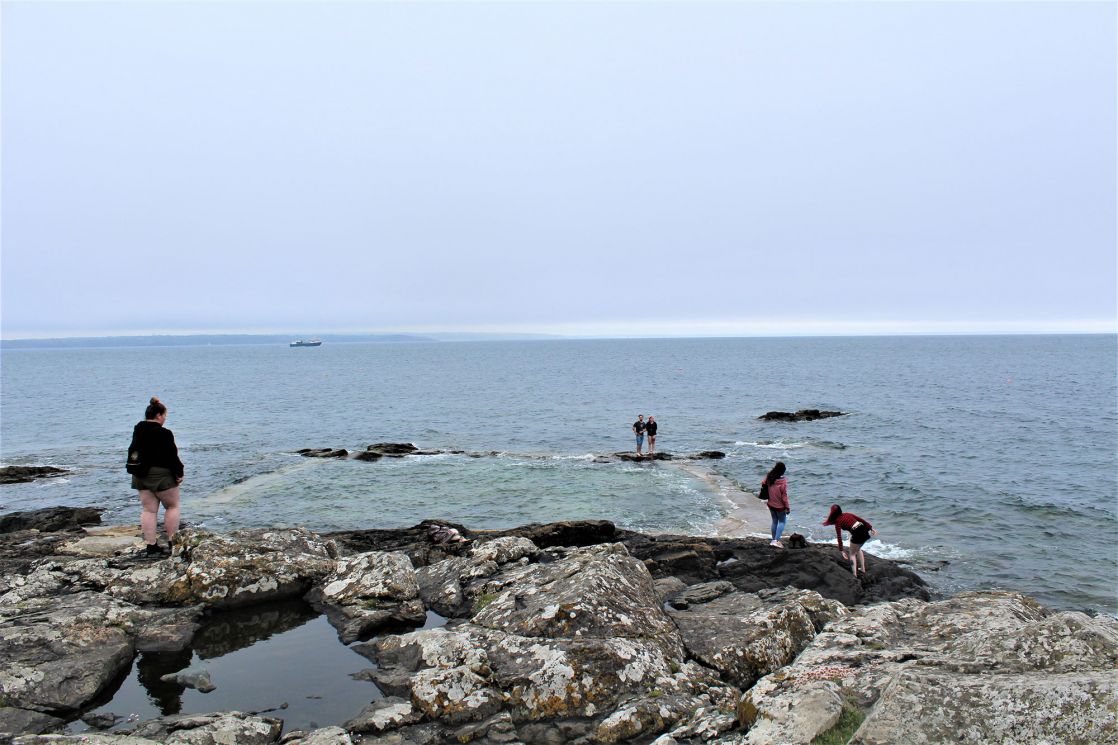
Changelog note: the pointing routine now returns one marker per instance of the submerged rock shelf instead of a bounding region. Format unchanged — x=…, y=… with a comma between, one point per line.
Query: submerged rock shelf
x=566, y=632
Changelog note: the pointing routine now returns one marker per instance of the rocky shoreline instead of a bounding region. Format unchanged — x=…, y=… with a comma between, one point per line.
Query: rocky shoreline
x=573, y=632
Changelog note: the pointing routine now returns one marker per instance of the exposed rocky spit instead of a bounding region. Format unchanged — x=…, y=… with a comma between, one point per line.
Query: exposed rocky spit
x=573, y=632
x=803, y=415
x=404, y=449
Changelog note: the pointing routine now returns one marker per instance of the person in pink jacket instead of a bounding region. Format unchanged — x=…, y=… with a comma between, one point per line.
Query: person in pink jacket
x=779, y=507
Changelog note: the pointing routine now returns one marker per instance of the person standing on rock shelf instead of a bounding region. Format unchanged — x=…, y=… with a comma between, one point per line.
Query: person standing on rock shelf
x=650, y=430
x=157, y=472
x=638, y=429
x=860, y=531
x=779, y=507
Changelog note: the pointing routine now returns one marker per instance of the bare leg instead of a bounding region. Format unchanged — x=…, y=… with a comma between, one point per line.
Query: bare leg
x=862, y=560
x=855, y=556
x=651, y=445
x=150, y=504
x=170, y=500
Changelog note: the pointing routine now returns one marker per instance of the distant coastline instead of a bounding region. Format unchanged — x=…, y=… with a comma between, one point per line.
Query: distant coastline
x=197, y=340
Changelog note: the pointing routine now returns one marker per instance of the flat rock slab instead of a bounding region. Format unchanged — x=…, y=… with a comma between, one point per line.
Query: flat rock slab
x=105, y=541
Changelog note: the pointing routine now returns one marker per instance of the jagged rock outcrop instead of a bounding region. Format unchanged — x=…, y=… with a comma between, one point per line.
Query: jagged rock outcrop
x=248, y=566
x=979, y=667
x=50, y=519
x=577, y=645
x=628, y=638
x=752, y=565
x=369, y=591
x=60, y=652
x=23, y=474
x=445, y=585
x=323, y=452
x=747, y=635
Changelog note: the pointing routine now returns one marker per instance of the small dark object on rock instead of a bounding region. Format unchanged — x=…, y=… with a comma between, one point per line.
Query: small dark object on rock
x=803, y=415
x=710, y=454
x=796, y=541
x=104, y=720
x=442, y=535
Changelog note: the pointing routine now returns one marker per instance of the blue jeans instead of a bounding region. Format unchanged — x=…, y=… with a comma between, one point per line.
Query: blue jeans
x=640, y=441
x=779, y=518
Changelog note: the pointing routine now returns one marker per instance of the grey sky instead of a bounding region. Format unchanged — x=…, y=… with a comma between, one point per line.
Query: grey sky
x=582, y=167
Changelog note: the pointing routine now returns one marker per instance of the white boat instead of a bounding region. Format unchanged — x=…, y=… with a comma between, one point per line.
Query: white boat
x=306, y=343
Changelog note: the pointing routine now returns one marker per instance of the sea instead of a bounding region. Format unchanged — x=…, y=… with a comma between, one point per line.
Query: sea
x=983, y=461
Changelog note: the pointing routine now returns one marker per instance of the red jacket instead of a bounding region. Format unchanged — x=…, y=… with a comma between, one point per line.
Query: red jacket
x=778, y=495
x=848, y=521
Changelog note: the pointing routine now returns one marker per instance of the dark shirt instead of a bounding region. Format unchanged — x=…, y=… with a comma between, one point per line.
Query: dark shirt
x=157, y=447
x=651, y=428
x=638, y=427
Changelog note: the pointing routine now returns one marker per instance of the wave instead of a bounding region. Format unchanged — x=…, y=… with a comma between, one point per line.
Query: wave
x=770, y=445
x=249, y=484
x=781, y=445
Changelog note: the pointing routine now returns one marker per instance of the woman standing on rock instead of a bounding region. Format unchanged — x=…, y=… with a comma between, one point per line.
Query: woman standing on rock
x=779, y=507
x=153, y=461
x=860, y=531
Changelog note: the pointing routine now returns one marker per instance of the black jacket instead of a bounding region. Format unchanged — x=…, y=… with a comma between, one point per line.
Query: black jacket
x=157, y=447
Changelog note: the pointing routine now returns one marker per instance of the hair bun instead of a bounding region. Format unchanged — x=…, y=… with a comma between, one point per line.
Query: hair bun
x=155, y=400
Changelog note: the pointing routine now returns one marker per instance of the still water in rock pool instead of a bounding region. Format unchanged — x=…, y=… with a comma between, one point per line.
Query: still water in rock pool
x=283, y=659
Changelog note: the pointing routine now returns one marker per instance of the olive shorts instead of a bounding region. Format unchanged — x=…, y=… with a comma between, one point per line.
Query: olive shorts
x=157, y=479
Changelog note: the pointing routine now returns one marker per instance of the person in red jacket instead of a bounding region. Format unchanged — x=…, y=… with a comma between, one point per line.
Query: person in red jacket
x=776, y=486
x=860, y=531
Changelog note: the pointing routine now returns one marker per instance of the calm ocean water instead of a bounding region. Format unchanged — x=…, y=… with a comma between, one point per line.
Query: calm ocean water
x=997, y=455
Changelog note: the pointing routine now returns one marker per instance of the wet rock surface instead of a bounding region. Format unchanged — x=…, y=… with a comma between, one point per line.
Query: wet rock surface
x=50, y=519
x=572, y=632
x=23, y=474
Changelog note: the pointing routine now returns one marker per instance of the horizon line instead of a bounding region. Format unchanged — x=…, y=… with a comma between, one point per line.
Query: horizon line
x=631, y=331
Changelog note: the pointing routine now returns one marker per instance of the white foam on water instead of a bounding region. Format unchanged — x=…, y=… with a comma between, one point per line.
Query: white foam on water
x=585, y=456
x=778, y=445
x=888, y=550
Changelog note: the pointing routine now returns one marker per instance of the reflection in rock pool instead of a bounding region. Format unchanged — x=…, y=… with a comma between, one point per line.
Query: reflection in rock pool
x=261, y=658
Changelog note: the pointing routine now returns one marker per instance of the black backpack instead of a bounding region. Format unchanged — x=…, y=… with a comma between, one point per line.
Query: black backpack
x=763, y=492
x=135, y=465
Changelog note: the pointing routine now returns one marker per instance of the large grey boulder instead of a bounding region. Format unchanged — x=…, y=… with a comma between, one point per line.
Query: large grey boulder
x=578, y=645
x=747, y=635
x=58, y=655
x=47, y=519
x=442, y=585
x=13, y=719
x=369, y=591
x=594, y=592
x=979, y=667
x=249, y=566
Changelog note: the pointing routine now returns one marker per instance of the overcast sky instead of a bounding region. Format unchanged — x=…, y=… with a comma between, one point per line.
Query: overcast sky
x=585, y=168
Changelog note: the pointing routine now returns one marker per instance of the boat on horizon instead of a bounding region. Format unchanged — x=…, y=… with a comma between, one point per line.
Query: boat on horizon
x=305, y=343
